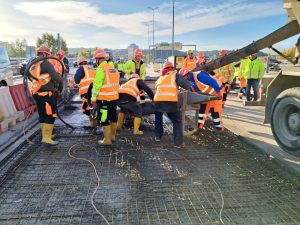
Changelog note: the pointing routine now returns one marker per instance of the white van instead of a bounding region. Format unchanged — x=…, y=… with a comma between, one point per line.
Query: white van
x=6, y=73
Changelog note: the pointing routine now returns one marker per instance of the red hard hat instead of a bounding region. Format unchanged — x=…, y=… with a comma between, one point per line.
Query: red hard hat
x=81, y=60
x=43, y=49
x=99, y=54
x=184, y=71
x=223, y=52
x=168, y=65
x=138, y=52
x=61, y=52
x=201, y=54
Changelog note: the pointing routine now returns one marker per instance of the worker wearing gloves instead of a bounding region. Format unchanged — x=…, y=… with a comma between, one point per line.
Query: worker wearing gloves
x=190, y=61
x=136, y=65
x=206, y=84
x=254, y=71
x=84, y=76
x=121, y=67
x=166, y=99
x=45, y=87
x=105, y=94
x=128, y=94
x=227, y=72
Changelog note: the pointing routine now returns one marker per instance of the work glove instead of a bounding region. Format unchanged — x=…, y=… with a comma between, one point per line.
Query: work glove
x=219, y=96
x=142, y=101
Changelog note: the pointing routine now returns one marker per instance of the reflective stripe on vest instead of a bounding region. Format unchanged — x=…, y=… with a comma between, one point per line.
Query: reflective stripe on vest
x=206, y=89
x=166, y=88
x=89, y=76
x=130, y=87
x=42, y=79
x=110, y=88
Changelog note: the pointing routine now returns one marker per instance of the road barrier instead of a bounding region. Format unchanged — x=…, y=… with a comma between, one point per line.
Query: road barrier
x=7, y=109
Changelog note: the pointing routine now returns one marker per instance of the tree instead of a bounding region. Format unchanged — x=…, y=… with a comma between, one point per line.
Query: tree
x=52, y=42
x=17, y=48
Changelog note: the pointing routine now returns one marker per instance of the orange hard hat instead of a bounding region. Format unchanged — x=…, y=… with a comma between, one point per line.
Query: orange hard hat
x=99, y=54
x=138, y=52
x=223, y=52
x=184, y=71
x=43, y=49
x=61, y=52
x=81, y=60
x=168, y=65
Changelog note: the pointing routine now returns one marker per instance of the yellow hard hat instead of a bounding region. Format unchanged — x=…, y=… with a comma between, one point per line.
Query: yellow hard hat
x=189, y=52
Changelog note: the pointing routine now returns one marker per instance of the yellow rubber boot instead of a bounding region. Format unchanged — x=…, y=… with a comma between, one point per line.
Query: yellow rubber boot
x=120, y=122
x=136, y=126
x=107, y=136
x=47, y=130
x=113, y=129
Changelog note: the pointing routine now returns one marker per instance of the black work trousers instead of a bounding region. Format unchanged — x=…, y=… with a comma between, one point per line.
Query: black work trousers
x=132, y=107
x=46, y=107
x=109, y=108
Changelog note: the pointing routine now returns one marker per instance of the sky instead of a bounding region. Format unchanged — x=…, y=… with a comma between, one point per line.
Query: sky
x=210, y=24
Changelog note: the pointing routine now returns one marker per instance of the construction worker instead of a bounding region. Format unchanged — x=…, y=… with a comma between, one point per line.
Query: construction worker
x=227, y=72
x=204, y=83
x=136, y=65
x=105, y=95
x=254, y=70
x=121, y=67
x=166, y=99
x=242, y=78
x=84, y=76
x=45, y=85
x=128, y=94
x=201, y=58
x=190, y=61
x=61, y=54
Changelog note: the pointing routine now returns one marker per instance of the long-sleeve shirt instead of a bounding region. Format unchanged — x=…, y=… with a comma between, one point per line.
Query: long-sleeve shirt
x=205, y=79
x=56, y=79
x=142, y=87
x=98, y=81
x=165, y=106
x=79, y=74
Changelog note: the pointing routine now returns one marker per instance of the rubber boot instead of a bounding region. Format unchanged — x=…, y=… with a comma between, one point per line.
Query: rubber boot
x=120, y=122
x=107, y=136
x=47, y=130
x=113, y=128
x=136, y=126
x=93, y=122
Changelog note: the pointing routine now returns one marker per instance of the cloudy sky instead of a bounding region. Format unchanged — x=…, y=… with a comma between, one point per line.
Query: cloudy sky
x=210, y=24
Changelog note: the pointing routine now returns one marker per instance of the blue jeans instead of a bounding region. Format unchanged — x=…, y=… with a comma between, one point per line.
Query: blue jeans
x=254, y=84
x=175, y=117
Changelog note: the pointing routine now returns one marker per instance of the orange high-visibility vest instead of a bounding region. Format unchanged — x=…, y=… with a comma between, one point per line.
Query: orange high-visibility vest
x=190, y=63
x=130, y=87
x=166, y=88
x=110, y=88
x=57, y=65
x=206, y=89
x=89, y=76
x=42, y=79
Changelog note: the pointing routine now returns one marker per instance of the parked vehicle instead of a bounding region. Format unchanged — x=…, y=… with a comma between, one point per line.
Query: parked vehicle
x=6, y=73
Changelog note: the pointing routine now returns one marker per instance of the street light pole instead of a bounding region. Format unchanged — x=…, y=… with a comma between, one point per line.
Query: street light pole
x=173, y=32
x=153, y=30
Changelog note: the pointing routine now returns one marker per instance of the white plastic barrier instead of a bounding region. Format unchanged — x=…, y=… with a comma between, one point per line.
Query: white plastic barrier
x=7, y=108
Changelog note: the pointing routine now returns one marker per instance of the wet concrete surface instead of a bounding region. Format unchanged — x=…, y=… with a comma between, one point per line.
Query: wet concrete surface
x=211, y=180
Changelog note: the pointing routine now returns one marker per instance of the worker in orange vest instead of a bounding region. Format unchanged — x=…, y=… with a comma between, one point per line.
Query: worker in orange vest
x=190, y=61
x=204, y=83
x=46, y=82
x=105, y=94
x=227, y=72
x=61, y=54
x=128, y=94
x=166, y=99
x=84, y=76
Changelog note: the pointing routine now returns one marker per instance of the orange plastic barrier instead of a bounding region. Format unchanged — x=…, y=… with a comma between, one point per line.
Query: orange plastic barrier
x=22, y=100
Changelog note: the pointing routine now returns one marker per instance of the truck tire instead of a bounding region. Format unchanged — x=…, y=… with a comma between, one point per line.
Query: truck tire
x=285, y=120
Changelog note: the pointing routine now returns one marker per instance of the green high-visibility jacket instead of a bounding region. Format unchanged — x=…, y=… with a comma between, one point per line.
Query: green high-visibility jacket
x=254, y=69
x=121, y=66
x=130, y=66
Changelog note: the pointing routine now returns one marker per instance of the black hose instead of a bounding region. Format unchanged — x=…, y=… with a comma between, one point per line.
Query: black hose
x=28, y=75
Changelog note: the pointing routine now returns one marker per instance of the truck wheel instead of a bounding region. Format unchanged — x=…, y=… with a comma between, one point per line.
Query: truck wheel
x=285, y=122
